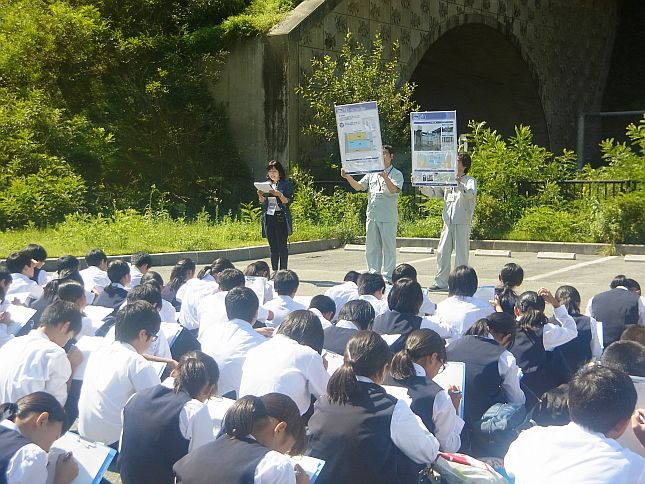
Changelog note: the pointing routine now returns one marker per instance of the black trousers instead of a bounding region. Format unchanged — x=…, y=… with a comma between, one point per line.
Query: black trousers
x=276, y=232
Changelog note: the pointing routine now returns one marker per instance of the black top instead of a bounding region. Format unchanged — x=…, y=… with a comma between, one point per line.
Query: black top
x=616, y=309
x=336, y=338
x=10, y=443
x=422, y=390
x=394, y=322
x=111, y=297
x=571, y=356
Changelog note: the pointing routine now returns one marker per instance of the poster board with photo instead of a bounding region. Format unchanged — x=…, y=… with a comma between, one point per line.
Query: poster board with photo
x=434, y=148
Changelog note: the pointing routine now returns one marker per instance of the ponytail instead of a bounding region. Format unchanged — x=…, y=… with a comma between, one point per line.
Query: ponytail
x=569, y=297
x=507, y=299
x=179, y=273
x=499, y=323
x=195, y=370
x=8, y=411
x=531, y=307
x=37, y=402
x=419, y=343
x=217, y=266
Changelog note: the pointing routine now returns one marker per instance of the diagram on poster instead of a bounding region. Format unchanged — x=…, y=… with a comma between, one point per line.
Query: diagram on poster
x=359, y=138
x=434, y=148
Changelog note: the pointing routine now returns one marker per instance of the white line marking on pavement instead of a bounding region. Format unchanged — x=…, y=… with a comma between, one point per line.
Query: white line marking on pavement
x=421, y=260
x=569, y=268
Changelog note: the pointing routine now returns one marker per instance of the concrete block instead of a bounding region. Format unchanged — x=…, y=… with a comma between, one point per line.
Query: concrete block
x=493, y=252
x=557, y=255
x=416, y=250
x=355, y=247
x=634, y=258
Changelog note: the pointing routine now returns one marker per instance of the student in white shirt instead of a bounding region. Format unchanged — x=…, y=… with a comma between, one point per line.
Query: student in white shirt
x=258, y=431
x=289, y=362
x=345, y=292
x=362, y=433
x=323, y=307
x=167, y=312
x=211, y=272
x=37, y=361
x=261, y=269
x=21, y=266
x=5, y=317
x=95, y=276
x=117, y=371
x=39, y=254
x=114, y=294
x=140, y=264
x=182, y=273
x=428, y=308
x=285, y=284
x=28, y=428
x=168, y=422
x=371, y=288
x=228, y=342
x=356, y=315
x=601, y=402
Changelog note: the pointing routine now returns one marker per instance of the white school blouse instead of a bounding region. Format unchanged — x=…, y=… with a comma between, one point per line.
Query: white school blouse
x=28, y=465
x=379, y=305
x=94, y=279
x=460, y=312
x=194, y=291
x=22, y=284
x=325, y=323
x=281, y=306
x=33, y=363
x=212, y=311
x=342, y=294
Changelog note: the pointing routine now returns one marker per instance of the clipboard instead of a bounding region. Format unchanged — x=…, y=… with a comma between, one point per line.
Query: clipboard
x=311, y=465
x=93, y=458
x=454, y=374
x=97, y=313
x=334, y=361
x=264, y=187
x=171, y=331
x=257, y=284
x=20, y=315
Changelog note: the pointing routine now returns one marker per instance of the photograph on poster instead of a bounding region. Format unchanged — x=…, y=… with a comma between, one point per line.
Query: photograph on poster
x=359, y=138
x=434, y=147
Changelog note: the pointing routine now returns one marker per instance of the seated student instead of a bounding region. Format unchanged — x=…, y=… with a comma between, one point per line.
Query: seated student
x=616, y=309
x=345, y=292
x=362, y=433
x=536, y=338
x=601, y=402
x=257, y=431
x=492, y=375
x=428, y=308
x=324, y=307
x=587, y=345
x=629, y=357
x=261, y=269
x=5, y=317
x=211, y=272
x=95, y=276
x=631, y=333
x=39, y=254
x=116, y=371
x=66, y=272
x=289, y=362
x=371, y=288
x=211, y=310
x=167, y=313
x=140, y=263
x=182, y=272
x=414, y=367
x=115, y=292
x=169, y=422
x=356, y=315
x=285, y=284
x=553, y=407
x=510, y=277
x=28, y=428
x=37, y=361
x=21, y=266
x=229, y=342
x=460, y=309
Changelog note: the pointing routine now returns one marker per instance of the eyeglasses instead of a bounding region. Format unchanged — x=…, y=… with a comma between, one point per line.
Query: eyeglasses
x=443, y=367
x=153, y=337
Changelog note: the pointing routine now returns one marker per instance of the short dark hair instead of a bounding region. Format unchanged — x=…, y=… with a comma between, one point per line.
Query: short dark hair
x=61, y=312
x=511, y=275
x=619, y=280
x=278, y=166
x=404, y=270
x=323, y=303
x=633, y=332
x=359, y=312
x=600, y=398
x=145, y=292
x=152, y=277
x=140, y=259
x=406, y=296
x=626, y=356
x=117, y=270
x=258, y=269
x=369, y=283
x=214, y=268
x=304, y=327
x=632, y=284
x=37, y=252
x=531, y=306
x=17, y=261
x=553, y=407
x=67, y=263
x=195, y=369
x=462, y=281
x=389, y=149
x=351, y=276
x=286, y=282
x=230, y=278
x=241, y=303
x=70, y=290
x=135, y=317
x=466, y=161
x=95, y=256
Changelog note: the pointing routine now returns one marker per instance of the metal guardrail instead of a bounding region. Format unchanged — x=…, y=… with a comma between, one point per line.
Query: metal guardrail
x=575, y=189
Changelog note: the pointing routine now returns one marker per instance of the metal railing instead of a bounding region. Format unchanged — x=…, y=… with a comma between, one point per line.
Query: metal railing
x=575, y=189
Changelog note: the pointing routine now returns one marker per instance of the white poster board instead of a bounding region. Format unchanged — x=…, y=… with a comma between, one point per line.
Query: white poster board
x=434, y=148
x=359, y=138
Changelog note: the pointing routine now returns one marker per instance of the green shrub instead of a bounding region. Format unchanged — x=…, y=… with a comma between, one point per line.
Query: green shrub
x=493, y=218
x=619, y=220
x=548, y=224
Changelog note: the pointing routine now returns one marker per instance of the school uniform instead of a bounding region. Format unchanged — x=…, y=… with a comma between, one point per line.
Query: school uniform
x=167, y=312
x=113, y=374
x=135, y=276
x=379, y=305
x=283, y=365
x=394, y=322
x=235, y=461
x=325, y=323
x=21, y=461
x=23, y=285
x=212, y=311
x=433, y=404
x=281, y=305
x=112, y=296
x=95, y=279
x=616, y=309
x=33, y=363
x=460, y=313
x=571, y=453
x=342, y=294
x=40, y=276
x=337, y=336
x=198, y=290
x=5, y=335
x=373, y=438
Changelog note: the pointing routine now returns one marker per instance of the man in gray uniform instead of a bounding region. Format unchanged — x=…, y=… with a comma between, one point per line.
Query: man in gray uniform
x=458, y=209
x=382, y=214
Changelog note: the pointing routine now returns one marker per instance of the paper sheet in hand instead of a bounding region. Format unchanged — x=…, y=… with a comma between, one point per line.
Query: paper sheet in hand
x=217, y=407
x=310, y=465
x=264, y=187
x=97, y=313
x=93, y=458
x=390, y=339
x=171, y=331
x=454, y=374
x=20, y=314
x=86, y=345
x=257, y=285
x=20, y=296
x=159, y=367
x=334, y=361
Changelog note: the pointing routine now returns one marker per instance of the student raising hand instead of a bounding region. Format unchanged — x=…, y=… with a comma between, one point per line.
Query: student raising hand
x=548, y=297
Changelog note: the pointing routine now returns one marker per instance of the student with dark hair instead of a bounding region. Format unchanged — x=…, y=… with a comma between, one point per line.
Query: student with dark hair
x=510, y=277
x=553, y=407
x=289, y=362
x=211, y=273
x=634, y=333
x=617, y=309
x=39, y=254
x=601, y=402
x=5, y=317
x=362, y=433
x=115, y=292
x=285, y=285
x=28, y=428
x=229, y=341
x=406, y=270
x=167, y=313
x=277, y=224
x=355, y=316
x=324, y=307
x=371, y=288
x=460, y=309
x=115, y=372
x=422, y=358
x=345, y=292
x=140, y=263
x=167, y=422
x=181, y=273
x=21, y=266
x=95, y=276
x=37, y=361
x=260, y=269
x=536, y=338
x=257, y=432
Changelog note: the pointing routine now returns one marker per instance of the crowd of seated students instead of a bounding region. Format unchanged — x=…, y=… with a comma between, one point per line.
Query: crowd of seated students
x=567, y=383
